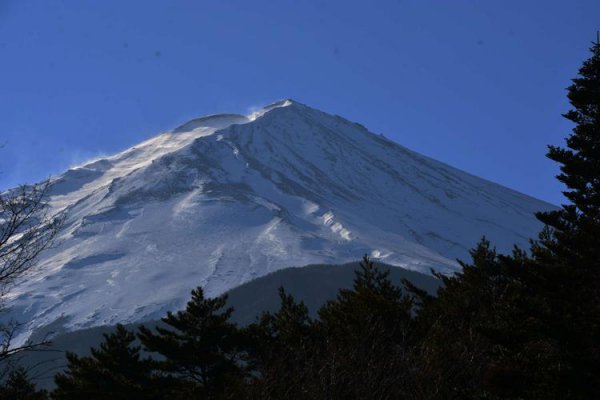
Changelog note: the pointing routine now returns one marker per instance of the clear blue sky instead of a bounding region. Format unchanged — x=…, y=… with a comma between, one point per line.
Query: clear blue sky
x=477, y=84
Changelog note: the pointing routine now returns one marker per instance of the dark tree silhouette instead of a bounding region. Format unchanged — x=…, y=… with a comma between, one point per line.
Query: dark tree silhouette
x=200, y=348
x=18, y=386
x=116, y=370
x=284, y=352
x=366, y=336
x=569, y=248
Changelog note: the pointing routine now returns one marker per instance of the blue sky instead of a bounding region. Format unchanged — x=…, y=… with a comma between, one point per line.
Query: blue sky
x=479, y=85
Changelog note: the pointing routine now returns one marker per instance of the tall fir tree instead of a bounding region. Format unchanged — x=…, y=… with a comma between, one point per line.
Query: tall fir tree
x=575, y=228
x=568, y=251
x=201, y=349
x=115, y=371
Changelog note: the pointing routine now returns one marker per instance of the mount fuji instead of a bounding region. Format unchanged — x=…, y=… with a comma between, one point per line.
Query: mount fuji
x=224, y=199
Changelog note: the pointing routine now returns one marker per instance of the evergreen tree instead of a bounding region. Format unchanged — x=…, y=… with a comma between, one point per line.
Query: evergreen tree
x=568, y=251
x=453, y=351
x=482, y=335
x=18, y=387
x=284, y=352
x=366, y=336
x=575, y=228
x=201, y=349
x=114, y=371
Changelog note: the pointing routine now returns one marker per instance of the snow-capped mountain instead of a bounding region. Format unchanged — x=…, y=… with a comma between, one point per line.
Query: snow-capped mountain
x=224, y=199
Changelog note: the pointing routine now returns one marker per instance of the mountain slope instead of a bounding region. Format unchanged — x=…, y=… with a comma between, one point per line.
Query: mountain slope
x=224, y=199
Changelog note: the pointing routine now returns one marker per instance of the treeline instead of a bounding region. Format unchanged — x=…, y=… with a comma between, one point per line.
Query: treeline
x=518, y=326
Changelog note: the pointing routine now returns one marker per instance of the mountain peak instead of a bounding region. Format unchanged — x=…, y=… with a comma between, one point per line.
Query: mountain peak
x=221, y=121
x=212, y=121
x=271, y=107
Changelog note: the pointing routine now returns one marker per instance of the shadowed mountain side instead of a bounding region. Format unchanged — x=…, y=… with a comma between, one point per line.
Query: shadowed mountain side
x=313, y=284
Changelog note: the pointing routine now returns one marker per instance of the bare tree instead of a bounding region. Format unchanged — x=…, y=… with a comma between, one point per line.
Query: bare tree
x=27, y=227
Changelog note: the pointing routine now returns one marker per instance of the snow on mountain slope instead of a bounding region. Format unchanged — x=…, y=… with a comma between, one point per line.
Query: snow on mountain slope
x=227, y=198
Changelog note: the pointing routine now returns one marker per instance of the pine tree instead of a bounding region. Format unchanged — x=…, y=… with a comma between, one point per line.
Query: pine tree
x=484, y=335
x=568, y=251
x=575, y=228
x=366, y=334
x=283, y=352
x=372, y=297
x=18, y=387
x=452, y=353
x=114, y=371
x=201, y=349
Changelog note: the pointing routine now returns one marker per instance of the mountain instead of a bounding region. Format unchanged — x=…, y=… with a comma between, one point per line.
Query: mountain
x=225, y=199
